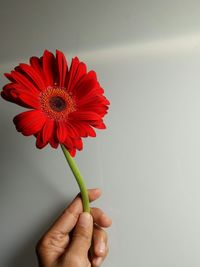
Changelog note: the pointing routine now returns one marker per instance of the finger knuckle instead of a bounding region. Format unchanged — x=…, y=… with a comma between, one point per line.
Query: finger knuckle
x=97, y=212
x=53, y=240
x=70, y=213
x=83, y=235
x=73, y=259
x=100, y=234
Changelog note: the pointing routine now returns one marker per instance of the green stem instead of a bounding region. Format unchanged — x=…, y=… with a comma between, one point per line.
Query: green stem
x=79, y=179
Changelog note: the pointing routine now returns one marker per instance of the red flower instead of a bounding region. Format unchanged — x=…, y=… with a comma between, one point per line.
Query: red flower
x=66, y=104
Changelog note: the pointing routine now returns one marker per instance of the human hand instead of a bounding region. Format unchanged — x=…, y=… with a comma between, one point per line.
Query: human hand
x=67, y=242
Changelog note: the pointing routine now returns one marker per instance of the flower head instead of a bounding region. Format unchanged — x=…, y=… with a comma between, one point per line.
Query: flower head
x=65, y=104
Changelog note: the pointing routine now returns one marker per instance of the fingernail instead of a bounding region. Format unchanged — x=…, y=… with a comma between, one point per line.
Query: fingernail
x=85, y=219
x=101, y=247
x=97, y=261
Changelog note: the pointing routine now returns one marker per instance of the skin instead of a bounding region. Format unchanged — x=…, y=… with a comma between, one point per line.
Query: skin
x=67, y=242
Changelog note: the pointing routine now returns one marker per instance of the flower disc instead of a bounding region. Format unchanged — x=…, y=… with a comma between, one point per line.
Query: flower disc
x=57, y=103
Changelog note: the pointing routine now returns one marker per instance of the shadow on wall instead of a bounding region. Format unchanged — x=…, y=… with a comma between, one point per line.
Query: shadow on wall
x=29, y=204
x=25, y=254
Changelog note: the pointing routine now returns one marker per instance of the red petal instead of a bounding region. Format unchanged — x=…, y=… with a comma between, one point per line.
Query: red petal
x=39, y=142
x=78, y=144
x=21, y=79
x=92, y=74
x=47, y=130
x=36, y=63
x=68, y=142
x=84, y=129
x=29, y=122
x=62, y=67
x=72, y=151
x=16, y=93
x=31, y=101
x=61, y=132
x=53, y=142
x=45, y=134
x=85, y=116
x=49, y=67
x=9, y=77
x=95, y=99
x=85, y=87
x=98, y=124
x=97, y=108
x=72, y=130
x=76, y=72
x=34, y=76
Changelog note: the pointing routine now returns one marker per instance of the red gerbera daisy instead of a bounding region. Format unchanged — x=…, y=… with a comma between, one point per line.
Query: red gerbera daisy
x=66, y=104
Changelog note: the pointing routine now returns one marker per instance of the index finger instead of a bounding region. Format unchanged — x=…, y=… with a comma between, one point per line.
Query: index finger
x=66, y=222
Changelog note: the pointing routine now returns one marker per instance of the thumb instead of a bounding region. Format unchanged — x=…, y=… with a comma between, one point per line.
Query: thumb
x=82, y=235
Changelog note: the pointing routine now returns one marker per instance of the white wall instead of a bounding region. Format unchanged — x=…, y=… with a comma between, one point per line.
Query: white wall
x=147, y=56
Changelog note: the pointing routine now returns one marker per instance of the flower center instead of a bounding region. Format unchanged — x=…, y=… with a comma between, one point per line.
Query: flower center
x=57, y=103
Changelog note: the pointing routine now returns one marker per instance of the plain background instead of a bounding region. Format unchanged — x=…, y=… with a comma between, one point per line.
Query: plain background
x=147, y=57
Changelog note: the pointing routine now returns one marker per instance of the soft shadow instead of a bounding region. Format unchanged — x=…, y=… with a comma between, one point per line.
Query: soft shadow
x=25, y=254
x=25, y=194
